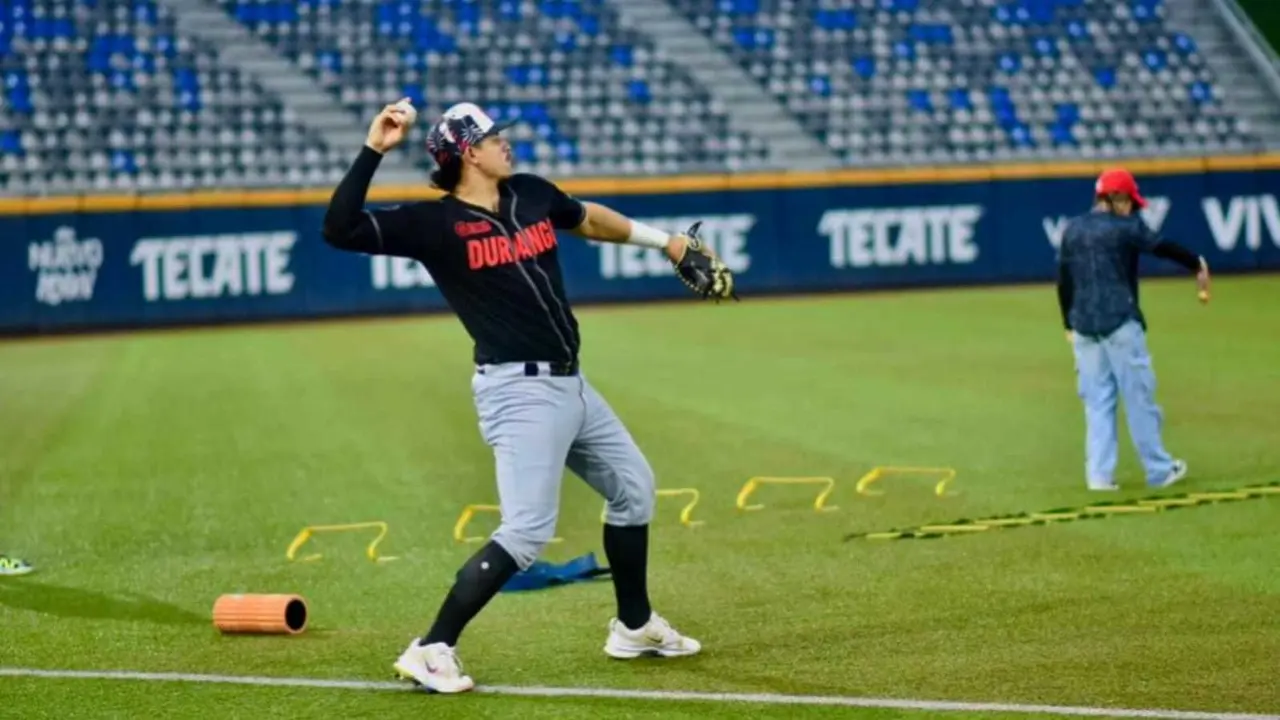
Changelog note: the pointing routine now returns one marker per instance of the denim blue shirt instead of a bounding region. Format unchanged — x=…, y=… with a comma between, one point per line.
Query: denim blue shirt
x=1098, y=271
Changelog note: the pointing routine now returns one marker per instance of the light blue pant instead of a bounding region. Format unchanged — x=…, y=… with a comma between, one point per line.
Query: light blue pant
x=1119, y=365
x=538, y=426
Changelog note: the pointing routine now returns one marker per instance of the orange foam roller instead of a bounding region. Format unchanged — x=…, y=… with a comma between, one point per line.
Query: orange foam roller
x=266, y=614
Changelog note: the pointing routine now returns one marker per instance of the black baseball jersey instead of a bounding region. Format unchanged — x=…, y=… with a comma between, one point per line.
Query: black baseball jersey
x=500, y=272
x=1098, y=270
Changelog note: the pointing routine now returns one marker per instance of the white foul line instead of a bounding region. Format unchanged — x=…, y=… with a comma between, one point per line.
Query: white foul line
x=668, y=695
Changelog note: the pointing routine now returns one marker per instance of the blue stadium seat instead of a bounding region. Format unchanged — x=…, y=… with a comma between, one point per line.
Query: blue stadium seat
x=1201, y=92
x=1062, y=136
x=835, y=19
x=919, y=100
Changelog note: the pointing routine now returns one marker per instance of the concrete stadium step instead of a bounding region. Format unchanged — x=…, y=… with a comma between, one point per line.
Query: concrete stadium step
x=750, y=108
x=239, y=49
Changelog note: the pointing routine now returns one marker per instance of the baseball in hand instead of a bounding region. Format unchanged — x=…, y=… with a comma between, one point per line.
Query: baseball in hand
x=407, y=111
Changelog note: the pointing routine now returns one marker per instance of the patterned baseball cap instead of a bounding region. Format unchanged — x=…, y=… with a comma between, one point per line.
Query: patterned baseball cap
x=460, y=127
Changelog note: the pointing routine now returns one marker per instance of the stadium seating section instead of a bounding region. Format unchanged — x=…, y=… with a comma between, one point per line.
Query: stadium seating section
x=593, y=97
x=106, y=94
x=965, y=80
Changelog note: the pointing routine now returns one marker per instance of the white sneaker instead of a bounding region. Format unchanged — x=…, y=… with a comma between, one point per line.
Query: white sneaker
x=1178, y=472
x=1103, y=485
x=14, y=567
x=435, y=667
x=657, y=637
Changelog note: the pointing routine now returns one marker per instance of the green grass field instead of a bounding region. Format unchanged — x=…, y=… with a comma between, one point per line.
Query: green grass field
x=147, y=474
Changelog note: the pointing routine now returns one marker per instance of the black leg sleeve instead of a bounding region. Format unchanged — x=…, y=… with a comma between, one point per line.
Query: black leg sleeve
x=477, y=582
x=627, y=549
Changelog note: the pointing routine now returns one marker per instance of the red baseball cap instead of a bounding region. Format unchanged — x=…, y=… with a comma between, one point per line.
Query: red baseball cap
x=1119, y=180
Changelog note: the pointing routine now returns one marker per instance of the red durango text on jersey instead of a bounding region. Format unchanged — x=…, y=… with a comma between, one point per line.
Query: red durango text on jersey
x=497, y=250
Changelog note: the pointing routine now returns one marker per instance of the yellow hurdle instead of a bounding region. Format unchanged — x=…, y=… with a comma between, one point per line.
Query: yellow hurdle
x=307, y=532
x=686, y=513
x=819, y=504
x=469, y=512
x=940, y=489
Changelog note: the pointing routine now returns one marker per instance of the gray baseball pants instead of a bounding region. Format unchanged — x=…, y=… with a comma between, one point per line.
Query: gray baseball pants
x=539, y=425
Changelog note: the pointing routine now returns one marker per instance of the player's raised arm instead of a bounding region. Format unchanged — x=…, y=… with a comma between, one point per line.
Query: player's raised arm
x=347, y=224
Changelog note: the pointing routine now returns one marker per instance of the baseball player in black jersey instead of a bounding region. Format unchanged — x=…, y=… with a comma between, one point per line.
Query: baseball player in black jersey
x=490, y=245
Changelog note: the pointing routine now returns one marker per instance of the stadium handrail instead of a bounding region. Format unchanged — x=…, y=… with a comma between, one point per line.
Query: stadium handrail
x=586, y=187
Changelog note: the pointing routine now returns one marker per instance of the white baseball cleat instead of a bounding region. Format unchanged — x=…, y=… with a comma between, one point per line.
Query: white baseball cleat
x=434, y=667
x=657, y=637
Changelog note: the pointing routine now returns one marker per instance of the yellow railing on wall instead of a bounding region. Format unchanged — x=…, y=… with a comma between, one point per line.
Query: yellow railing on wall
x=588, y=187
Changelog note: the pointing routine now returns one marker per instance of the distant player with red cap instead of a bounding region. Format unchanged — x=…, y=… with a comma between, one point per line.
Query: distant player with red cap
x=1098, y=296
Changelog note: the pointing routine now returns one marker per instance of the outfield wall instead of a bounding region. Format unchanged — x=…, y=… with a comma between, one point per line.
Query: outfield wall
x=95, y=262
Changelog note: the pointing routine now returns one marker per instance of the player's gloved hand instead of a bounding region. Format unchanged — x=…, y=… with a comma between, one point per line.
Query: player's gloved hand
x=699, y=268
